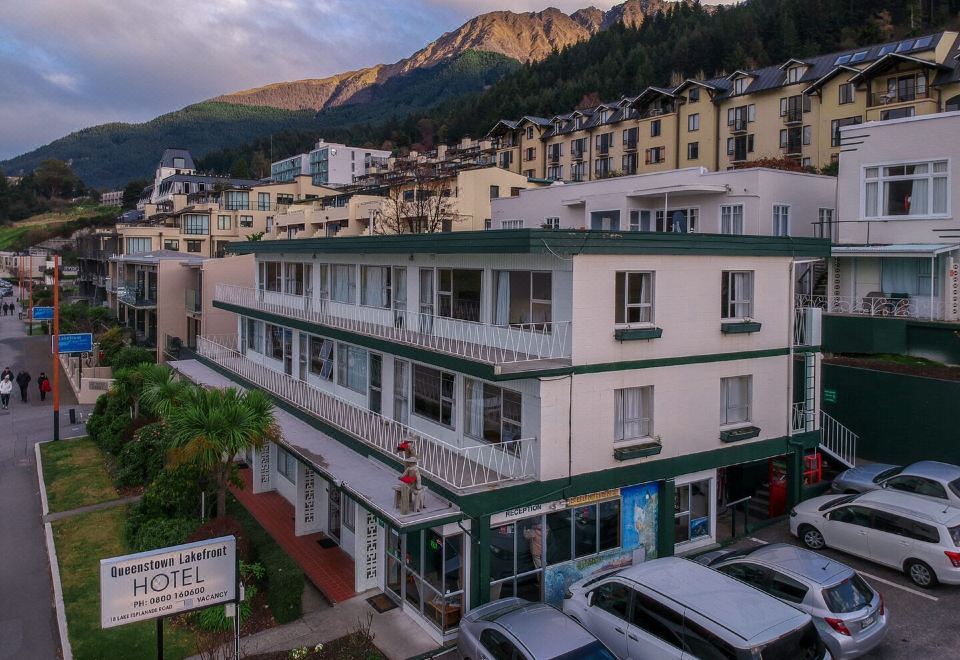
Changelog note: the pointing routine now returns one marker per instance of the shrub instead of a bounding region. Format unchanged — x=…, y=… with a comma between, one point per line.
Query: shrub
x=109, y=423
x=131, y=356
x=141, y=460
x=173, y=494
x=110, y=343
x=162, y=532
x=215, y=618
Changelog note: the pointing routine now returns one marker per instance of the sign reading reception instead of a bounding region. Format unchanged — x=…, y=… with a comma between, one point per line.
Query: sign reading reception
x=162, y=582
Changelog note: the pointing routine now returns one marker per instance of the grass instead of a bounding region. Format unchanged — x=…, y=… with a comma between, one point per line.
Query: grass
x=9, y=235
x=75, y=474
x=82, y=541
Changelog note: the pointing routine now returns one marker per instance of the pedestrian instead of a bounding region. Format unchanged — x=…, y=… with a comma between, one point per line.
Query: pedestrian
x=5, y=309
x=23, y=380
x=21, y=311
x=6, y=386
x=7, y=371
x=43, y=383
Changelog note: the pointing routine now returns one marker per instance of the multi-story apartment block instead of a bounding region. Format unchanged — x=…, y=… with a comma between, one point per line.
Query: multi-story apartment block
x=176, y=174
x=94, y=249
x=112, y=198
x=330, y=163
x=575, y=400
x=791, y=110
x=290, y=168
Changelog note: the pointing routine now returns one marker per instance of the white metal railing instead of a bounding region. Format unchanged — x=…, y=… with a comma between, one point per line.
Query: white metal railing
x=838, y=440
x=803, y=418
x=479, y=341
x=806, y=326
x=458, y=467
x=878, y=304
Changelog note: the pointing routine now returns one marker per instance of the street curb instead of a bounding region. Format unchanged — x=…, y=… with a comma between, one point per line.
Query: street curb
x=66, y=651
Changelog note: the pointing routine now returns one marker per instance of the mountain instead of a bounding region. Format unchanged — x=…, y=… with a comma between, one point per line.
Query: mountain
x=466, y=60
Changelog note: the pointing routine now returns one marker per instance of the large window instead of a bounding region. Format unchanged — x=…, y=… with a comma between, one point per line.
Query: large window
x=634, y=298
x=271, y=276
x=781, y=220
x=237, y=200
x=522, y=297
x=135, y=245
x=321, y=358
x=736, y=293
x=433, y=394
x=491, y=413
x=680, y=221
x=459, y=294
x=287, y=465
x=735, y=395
x=731, y=219
x=352, y=368
x=910, y=189
x=633, y=414
x=343, y=283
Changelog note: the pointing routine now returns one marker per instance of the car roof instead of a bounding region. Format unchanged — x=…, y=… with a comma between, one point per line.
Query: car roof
x=800, y=562
x=741, y=609
x=933, y=469
x=542, y=629
x=911, y=505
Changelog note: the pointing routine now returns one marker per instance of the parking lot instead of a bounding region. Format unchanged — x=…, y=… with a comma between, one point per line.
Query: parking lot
x=924, y=624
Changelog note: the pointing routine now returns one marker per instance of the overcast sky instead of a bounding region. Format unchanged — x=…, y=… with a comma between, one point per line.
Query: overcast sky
x=68, y=64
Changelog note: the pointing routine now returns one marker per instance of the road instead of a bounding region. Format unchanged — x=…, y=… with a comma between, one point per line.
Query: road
x=923, y=621
x=27, y=618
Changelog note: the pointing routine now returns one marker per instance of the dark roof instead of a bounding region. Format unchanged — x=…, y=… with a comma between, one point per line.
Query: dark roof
x=206, y=178
x=166, y=160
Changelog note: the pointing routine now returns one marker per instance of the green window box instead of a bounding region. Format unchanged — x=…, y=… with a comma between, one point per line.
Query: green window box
x=651, y=448
x=632, y=334
x=742, y=433
x=740, y=327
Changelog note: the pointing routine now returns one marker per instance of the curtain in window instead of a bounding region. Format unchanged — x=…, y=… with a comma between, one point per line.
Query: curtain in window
x=501, y=312
x=870, y=199
x=939, y=195
x=736, y=395
x=918, y=197
x=374, y=287
x=904, y=276
x=473, y=418
x=342, y=281
x=629, y=414
x=740, y=285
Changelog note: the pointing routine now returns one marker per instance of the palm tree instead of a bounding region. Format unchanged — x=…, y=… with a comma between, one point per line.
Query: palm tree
x=211, y=426
x=161, y=390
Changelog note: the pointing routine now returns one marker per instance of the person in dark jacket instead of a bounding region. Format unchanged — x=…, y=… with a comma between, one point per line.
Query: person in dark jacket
x=43, y=383
x=23, y=380
x=7, y=371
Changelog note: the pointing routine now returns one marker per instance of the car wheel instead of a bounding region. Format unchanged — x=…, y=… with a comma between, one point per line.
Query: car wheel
x=811, y=537
x=920, y=573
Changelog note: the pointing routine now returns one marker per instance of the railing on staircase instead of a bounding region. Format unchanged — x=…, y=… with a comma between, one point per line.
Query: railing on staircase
x=837, y=440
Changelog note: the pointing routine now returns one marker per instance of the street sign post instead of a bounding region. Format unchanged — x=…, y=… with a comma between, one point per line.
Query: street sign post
x=42, y=313
x=75, y=343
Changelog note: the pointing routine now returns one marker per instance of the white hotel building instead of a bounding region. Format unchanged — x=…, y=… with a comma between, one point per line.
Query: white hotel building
x=614, y=389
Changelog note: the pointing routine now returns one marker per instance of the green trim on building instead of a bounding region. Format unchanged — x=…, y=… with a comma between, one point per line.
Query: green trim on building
x=630, y=334
x=546, y=241
x=743, y=327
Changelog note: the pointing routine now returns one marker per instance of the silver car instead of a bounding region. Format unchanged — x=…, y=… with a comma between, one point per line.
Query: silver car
x=516, y=629
x=932, y=479
x=849, y=614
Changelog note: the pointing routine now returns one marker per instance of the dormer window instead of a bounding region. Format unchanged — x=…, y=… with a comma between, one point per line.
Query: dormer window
x=694, y=95
x=578, y=123
x=529, y=132
x=740, y=85
x=794, y=74
x=603, y=116
x=179, y=163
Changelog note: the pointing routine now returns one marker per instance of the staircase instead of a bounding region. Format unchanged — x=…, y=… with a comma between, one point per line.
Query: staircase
x=813, y=280
x=759, y=506
x=837, y=441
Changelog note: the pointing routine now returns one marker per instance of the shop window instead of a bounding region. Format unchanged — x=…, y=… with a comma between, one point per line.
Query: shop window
x=691, y=511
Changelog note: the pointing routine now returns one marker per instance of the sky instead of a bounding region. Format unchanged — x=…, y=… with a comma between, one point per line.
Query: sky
x=69, y=64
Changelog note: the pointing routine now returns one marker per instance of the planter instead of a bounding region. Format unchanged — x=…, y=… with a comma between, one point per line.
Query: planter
x=633, y=334
x=637, y=451
x=742, y=433
x=741, y=327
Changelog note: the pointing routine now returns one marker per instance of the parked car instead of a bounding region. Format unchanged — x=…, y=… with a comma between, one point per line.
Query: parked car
x=917, y=535
x=850, y=615
x=933, y=479
x=516, y=629
x=677, y=608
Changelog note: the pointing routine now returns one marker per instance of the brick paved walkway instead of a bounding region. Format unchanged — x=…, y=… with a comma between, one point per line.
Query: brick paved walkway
x=330, y=570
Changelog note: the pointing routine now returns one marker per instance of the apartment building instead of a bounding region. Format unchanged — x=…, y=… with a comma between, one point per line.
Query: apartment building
x=331, y=163
x=575, y=400
x=896, y=249
x=290, y=168
x=94, y=249
x=790, y=110
x=176, y=174
x=112, y=198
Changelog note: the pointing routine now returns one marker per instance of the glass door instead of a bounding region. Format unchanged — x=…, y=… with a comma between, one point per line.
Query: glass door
x=426, y=300
x=399, y=296
x=333, y=514
x=401, y=391
x=375, y=387
x=288, y=352
x=304, y=351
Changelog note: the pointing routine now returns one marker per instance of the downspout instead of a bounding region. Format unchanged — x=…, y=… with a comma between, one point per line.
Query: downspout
x=933, y=274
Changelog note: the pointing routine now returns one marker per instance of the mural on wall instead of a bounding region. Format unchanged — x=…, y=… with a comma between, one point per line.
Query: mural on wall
x=559, y=577
x=639, y=521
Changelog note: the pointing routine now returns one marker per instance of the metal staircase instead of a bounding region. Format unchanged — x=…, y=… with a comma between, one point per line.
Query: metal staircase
x=837, y=441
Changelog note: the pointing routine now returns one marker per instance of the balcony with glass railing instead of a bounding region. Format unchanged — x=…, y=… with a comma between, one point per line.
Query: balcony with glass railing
x=136, y=296
x=510, y=348
x=457, y=467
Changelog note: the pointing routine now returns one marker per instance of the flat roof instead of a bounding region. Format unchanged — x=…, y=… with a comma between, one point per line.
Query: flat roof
x=895, y=249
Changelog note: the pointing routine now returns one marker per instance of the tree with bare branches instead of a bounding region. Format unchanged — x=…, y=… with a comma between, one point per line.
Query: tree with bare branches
x=419, y=202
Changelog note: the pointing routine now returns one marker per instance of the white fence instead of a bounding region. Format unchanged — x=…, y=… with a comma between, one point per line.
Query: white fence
x=87, y=383
x=919, y=307
x=457, y=467
x=807, y=322
x=803, y=418
x=837, y=439
x=478, y=341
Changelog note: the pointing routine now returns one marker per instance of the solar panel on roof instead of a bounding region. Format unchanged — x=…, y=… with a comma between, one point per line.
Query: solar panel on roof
x=904, y=45
x=923, y=42
x=859, y=56
x=887, y=49
x=843, y=59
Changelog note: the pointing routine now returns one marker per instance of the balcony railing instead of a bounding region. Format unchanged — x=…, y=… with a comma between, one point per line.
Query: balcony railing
x=458, y=467
x=803, y=418
x=898, y=96
x=131, y=294
x=807, y=322
x=878, y=304
x=793, y=116
x=517, y=343
x=739, y=126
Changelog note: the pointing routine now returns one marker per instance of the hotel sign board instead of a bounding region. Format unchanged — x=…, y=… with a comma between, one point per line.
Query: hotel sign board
x=533, y=509
x=159, y=583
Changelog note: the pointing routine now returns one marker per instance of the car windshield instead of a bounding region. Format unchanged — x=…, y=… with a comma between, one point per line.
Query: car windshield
x=843, y=499
x=955, y=535
x=886, y=474
x=955, y=487
x=801, y=643
x=592, y=651
x=849, y=596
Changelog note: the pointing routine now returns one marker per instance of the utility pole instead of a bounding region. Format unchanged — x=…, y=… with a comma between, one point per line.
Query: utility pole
x=30, y=284
x=56, y=346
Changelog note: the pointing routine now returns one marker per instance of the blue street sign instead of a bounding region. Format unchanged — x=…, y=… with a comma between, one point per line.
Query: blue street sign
x=43, y=313
x=78, y=343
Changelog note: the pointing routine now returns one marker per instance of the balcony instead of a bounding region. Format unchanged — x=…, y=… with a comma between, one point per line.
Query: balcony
x=892, y=97
x=456, y=467
x=554, y=157
x=880, y=304
x=192, y=301
x=510, y=349
x=738, y=126
x=630, y=144
x=792, y=148
x=129, y=293
x=793, y=116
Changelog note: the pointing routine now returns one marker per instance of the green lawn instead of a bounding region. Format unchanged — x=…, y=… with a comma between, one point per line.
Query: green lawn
x=75, y=474
x=82, y=541
x=8, y=235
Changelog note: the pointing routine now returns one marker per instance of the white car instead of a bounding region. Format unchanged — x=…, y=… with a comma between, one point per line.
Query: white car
x=916, y=535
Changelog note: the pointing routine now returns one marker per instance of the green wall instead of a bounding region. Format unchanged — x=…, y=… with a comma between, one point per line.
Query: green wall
x=900, y=419
x=933, y=340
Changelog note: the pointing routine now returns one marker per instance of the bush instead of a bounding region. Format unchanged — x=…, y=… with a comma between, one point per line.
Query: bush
x=162, y=532
x=109, y=423
x=131, y=356
x=226, y=526
x=215, y=618
x=173, y=494
x=141, y=460
x=111, y=342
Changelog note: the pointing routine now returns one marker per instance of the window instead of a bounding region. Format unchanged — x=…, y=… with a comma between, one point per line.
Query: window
x=529, y=132
x=807, y=134
x=703, y=644
x=494, y=192
x=852, y=515
x=917, y=485
x=555, y=172
x=294, y=278
x=224, y=222
x=179, y=163
x=781, y=220
x=246, y=221
x=171, y=244
x=731, y=219
x=898, y=113
x=693, y=122
x=656, y=155
x=794, y=74
x=196, y=223
x=287, y=465
x=578, y=171
x=529, y=173
x=263, y=201
x=491, y=413
x=602, y=167
x=694, y=95
x=693, y=150
x=740, y=85
x=914, y=189
x=691, y=511
x=255, y=335
x=375, y=286
x=633, y=414
x=837, y=124
x=321, y=358
x=846, y=92
x=630, y=136
x=786, y=588
x=606, y=220
x=578, y=147
x=522, y=298
x=640, y=220
x=194, y=246
x=612, y=597
x=736, y=294
x=348, y=512
x=433, y=394
x=274, y=346
x=628, y=163
x=530, y=153
x=237, y=200
x=459, y=293
x=657, y=620
x=825, y=223
x=735, y=395
x=352, y=368
x=343, y=283
x=681, y=221
x=271, y=274
x=499, y=647
x=634, y=296
x=655, y=128
x=551, y=223
x=604, y=142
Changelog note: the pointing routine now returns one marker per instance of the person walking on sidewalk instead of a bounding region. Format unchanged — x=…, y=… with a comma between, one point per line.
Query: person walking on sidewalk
x=44, y=384
x=6, y=386
x=23, y=380
x=7, y=371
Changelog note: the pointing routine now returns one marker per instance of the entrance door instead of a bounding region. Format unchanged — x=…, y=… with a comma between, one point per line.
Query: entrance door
x=304, y=345
x=288, y=352
x=333, y=514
